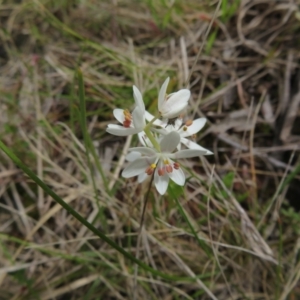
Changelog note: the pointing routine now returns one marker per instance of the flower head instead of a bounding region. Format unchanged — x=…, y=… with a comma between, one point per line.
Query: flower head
x=145, y=161
x=132, y=123
x=188, y=129
x=172, y=105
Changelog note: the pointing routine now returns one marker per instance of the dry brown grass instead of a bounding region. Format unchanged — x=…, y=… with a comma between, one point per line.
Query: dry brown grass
x=241, y=231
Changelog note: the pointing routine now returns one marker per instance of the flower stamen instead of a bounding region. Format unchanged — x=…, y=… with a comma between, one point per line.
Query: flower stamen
x=128, y=118
x=169, y=168
x=176, y=165
x=161, y=171
x=150, y=169
x=187, y=124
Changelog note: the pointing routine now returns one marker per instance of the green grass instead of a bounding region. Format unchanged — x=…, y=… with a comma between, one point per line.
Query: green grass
x=69, y=221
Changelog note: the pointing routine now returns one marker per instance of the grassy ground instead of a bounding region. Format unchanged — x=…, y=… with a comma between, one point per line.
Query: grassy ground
x=233, y=231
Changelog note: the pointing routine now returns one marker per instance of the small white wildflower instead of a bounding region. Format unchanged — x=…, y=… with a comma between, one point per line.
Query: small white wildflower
x=172, y=105
x=132, y=123
x=190, y=128
x=145, y=161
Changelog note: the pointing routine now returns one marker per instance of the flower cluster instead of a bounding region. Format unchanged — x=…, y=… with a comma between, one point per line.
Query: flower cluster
x=161, y=137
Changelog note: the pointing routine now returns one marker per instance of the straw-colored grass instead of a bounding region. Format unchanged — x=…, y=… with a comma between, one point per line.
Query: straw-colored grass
x=232, y=232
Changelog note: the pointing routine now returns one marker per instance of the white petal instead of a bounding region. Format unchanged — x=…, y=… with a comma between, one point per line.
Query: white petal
x=149, y=117
x=169, y=142
x=177, y=176
x=143, y=150
x=192, y=145
x=179, y=97
x=138, y=119
x=144, y=140
x=157, y=122
x=138, y=98
x=164, y=122
x=186, y=153
x=132, y=156
x=142, y=177
x=119, y=114
x=142, y=137
x=178, y=123
x=120, y=130
x=170, y=128
x=161, y=182
x=135, y=168
x=173, y=111
x=162, y=130
x=197, y=125
x=162, y=93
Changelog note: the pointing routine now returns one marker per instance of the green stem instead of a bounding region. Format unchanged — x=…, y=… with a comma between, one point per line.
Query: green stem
x=151, y=122
x=139, y=236
x=150, y=135
x=152, y=139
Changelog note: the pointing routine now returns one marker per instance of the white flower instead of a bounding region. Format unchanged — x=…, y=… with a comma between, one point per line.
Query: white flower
x=190, y=128
x=132, y=123
x=146, y=161
x=172, y=105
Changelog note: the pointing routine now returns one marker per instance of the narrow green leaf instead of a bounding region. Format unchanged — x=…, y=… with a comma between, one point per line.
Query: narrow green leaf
x=202, y=244
x=83, y=221
x=89, y=146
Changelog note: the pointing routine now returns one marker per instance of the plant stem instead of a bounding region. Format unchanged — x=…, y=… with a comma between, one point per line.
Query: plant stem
x=152, y=139
x=139, y=236
x=150, y=135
